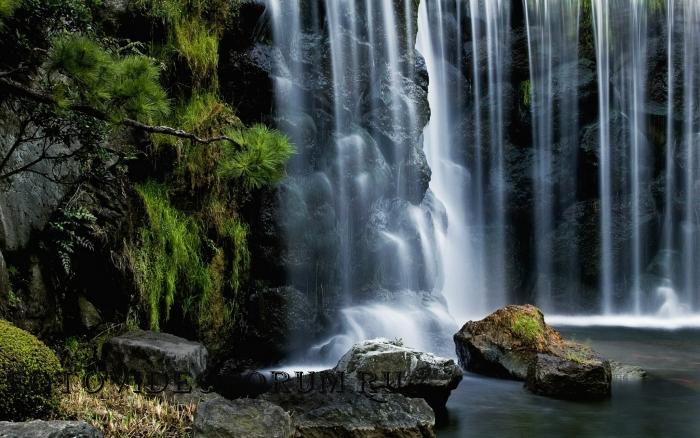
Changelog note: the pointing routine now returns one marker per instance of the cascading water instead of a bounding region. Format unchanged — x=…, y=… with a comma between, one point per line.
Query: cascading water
x=472, y=246
x=357, y=216
x=565, y=168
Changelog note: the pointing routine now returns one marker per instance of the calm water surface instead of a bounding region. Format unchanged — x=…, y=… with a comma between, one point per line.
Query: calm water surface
x=666, y=404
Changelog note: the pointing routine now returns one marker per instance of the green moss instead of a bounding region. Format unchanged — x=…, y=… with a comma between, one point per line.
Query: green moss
x=167, y=256
x=527, y=328
x=237, y=232
x=198, y=46
x=579, y=353
x=7, y=7
x=28, y=373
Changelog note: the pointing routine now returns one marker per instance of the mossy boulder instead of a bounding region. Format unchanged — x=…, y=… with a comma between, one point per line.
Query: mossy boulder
x=504, y=343
x=515, y=343
x=29, y=372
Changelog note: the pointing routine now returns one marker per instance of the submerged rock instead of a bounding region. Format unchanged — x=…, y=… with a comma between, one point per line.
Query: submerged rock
x=48, y=429
x=515, y=343
x=146, y=352
x=581, y=379
x=221, y=418
x=422, y=375
x=626, y=373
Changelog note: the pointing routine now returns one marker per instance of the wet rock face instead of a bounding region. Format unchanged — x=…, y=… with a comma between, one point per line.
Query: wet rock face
x=221, y=418
x=280, y=319
x=423, y=375
x=48, y=429
x=151, y=352
x=557, y=377
x=515, y=343
x=27, y=204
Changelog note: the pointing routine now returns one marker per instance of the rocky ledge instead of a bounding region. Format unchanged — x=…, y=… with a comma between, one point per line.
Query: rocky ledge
x=515, y=343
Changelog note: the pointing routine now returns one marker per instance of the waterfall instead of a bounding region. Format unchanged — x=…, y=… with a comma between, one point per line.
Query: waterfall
x=351, y=94
x=690, y=159
x=455, y=156
x=472, y=246
x=552, y=31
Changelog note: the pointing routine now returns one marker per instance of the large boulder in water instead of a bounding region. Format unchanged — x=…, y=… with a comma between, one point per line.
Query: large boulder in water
x=515, y=343
x=422, y=375
x=504, y=343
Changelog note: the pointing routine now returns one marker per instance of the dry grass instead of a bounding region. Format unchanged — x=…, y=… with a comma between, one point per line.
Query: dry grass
x=125, y=414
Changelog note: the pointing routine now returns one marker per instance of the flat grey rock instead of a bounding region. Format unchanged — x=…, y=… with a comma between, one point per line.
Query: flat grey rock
x=147, y=351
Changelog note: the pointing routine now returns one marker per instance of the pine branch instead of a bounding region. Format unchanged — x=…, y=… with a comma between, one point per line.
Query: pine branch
x=37, y=96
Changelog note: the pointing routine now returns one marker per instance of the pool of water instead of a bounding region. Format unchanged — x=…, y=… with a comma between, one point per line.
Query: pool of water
x=666, y=404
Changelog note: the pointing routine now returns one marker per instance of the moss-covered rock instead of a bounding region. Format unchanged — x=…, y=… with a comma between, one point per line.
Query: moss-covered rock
x=28, y=373
x=504, y=343
x=514, y=342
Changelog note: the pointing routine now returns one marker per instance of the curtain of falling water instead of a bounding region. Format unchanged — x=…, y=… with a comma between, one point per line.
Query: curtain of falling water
x=349, y=160
x=359, y=233
x=472, y=253
x=552, y=30
x=601, y=19
x=690, y=221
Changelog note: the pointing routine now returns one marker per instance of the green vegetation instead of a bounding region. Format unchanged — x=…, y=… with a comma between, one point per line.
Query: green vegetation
x=262, y=160
x=120, y=87
x=69, y=234
x=189, y=257
x=527, y=328
x=121, y=412
x=167, y=256
x=28, y=371
x=198, y=46
x=7, y=7
x=579, y=353
x=526, y=92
